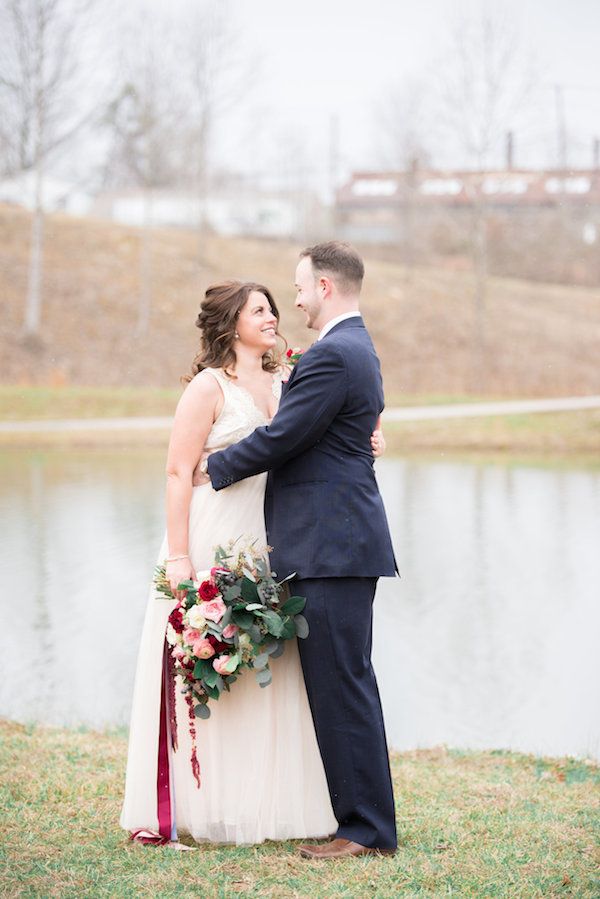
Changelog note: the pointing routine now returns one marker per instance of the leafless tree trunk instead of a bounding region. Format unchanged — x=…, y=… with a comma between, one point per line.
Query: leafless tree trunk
x=485, y=86
x=402, y=122
x=145, y=120
x=216, y=78
x=40, y=105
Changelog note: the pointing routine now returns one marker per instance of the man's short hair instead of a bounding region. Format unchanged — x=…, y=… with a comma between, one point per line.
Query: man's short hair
x=338, y=260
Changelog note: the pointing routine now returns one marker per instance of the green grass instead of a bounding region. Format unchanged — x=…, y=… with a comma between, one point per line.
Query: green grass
x=544, y=435
x=572, y=435
x=471, y=824
x=35, y=403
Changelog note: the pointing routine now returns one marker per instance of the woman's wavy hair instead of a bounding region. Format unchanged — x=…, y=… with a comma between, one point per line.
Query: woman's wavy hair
x=217, y=320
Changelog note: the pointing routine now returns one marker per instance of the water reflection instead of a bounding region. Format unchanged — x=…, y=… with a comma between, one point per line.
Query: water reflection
x=488, y=640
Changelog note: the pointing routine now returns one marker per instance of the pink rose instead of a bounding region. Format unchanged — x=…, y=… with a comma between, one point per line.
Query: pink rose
x=178, y=652
x=230, y=630
x=203, y=649
x=213, y=610
x=225, y=664
x=191, y=635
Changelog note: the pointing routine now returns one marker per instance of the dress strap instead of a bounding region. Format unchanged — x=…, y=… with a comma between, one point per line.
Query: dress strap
x=222, y=379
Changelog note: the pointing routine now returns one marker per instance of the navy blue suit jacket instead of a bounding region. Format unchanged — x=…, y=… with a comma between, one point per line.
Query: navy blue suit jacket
x=323, y=511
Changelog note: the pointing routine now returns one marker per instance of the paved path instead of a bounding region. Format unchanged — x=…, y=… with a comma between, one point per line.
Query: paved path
x=406, y=413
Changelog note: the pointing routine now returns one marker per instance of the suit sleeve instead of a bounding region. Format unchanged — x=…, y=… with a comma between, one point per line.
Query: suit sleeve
x=315, y=396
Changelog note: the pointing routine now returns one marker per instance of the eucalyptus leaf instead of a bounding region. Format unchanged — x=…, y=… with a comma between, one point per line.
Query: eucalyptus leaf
x=202, y=711
x=279, y=649
x=249, y=591
x=232, y=593
x=210, y=677
x=273, y=622
x=288, y=629
x=261, y=660
x=226, y=618
x=288, y=578
x=264, y=677
x=201, y=668
x=293, y=605
x=302, y=629
x=255, y=634
x=243, y=619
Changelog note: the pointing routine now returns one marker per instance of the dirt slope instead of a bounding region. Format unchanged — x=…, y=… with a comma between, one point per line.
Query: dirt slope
x=540, y=339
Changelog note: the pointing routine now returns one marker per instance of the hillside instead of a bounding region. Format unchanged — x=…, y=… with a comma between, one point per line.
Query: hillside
x=540, y=339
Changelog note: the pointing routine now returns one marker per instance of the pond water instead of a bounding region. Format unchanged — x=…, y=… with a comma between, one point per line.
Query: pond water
x=489, y=640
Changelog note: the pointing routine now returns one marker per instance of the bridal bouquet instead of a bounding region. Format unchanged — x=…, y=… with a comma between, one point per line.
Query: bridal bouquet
x=235, y=616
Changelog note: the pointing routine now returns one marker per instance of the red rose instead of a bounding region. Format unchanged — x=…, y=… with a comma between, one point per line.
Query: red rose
x=207, y=591
x=218, y=645
x=289, y=354
x=176, y=620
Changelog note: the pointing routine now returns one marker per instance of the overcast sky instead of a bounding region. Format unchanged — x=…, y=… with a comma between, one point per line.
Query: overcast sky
x=326, y=57
x=326, y=60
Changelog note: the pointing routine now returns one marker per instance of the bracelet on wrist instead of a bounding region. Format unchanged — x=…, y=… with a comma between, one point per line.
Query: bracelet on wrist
x=176, y=558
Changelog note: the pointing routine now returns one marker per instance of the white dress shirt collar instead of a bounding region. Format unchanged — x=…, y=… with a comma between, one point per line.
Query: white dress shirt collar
x=335, y=321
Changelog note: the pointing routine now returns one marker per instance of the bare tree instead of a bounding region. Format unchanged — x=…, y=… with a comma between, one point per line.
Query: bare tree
x=177, y=81
x=402, y=120
x=145, y=120
x=484, y=87
x=217, y=77
x=41, y=104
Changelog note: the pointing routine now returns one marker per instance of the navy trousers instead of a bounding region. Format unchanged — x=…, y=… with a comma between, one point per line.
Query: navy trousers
x=345, y=705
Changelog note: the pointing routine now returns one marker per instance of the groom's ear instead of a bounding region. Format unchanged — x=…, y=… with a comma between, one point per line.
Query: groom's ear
x=325, y=286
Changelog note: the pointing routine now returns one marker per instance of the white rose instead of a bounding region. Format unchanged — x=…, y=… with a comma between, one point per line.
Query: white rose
x=196, y=619
x=171, y=634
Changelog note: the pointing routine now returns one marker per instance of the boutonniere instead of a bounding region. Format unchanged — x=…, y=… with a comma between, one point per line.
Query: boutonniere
x=294, y=355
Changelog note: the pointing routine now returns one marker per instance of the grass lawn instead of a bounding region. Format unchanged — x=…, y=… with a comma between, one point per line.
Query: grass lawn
x=476, y=824
x=574, y=436
x=37, y=403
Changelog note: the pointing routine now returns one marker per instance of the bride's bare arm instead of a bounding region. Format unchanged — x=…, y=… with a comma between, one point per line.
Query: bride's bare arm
x=196, y=411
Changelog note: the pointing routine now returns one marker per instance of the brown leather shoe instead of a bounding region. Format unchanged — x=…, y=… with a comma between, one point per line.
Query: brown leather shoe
x=341, y=848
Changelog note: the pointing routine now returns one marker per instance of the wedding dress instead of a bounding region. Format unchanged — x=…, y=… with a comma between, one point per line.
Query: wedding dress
x=261, y=773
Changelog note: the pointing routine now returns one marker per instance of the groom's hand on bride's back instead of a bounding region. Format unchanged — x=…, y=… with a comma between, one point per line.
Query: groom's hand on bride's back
x=200, y=477
x=378, y=440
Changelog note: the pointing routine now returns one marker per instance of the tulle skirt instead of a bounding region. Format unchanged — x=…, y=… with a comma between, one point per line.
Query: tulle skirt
x=261, y=772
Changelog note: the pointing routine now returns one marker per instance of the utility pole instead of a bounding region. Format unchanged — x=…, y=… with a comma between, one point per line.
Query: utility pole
x=334, y=167
x=561, y=127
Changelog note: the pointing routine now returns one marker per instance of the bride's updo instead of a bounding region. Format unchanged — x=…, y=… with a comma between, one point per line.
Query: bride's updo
x=219, y=311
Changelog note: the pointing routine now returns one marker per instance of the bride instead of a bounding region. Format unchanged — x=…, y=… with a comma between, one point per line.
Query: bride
x=261, y=773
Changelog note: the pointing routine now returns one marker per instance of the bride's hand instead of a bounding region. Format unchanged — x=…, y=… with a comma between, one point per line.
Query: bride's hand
x=378, y=442
x=177, y=572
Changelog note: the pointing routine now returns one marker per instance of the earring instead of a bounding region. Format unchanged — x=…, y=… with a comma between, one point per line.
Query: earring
x=236, y=335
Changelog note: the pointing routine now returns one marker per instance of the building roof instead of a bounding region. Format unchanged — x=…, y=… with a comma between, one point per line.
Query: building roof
x=514, y=187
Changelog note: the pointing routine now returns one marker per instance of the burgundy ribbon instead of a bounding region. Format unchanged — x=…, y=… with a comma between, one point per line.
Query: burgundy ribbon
x=163, y=782
x=163, y=785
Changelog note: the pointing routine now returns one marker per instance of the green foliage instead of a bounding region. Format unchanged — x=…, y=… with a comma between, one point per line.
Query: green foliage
x=249, y=591
x=301, y=626
x=273, y=622
x=293, y=605
x=289, y=629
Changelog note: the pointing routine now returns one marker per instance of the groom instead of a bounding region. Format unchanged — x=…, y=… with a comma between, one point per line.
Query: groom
x=326, y=522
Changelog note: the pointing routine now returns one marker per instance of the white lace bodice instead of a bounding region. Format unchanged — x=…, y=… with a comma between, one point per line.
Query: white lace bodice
x=240, y=415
